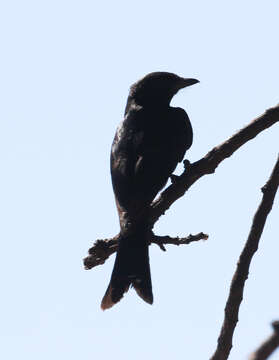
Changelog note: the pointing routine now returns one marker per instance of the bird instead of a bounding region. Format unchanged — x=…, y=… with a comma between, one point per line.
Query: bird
x=148, y=144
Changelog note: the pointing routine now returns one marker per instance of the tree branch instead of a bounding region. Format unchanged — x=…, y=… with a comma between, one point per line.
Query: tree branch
x=267, y=348
x=210, y=161
x=241, y=274
x=102, y=249
x=164, y=240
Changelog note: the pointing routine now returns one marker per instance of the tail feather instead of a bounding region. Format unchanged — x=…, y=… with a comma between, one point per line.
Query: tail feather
x=113, y=295
x=144, y=290
x=131, y=268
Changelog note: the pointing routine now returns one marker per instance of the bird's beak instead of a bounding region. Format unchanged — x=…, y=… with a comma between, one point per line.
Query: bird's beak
x=187, y=82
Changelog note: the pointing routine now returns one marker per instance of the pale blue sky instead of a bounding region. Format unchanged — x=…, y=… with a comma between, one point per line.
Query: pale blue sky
x=65, y=74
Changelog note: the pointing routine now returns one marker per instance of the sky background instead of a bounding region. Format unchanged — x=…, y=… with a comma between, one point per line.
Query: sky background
x=65, y=75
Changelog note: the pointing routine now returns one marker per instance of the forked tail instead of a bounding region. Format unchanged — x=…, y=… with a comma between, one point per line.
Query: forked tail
x=131, y=268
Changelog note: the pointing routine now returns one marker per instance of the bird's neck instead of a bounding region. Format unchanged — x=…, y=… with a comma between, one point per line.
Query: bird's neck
x=157, y=105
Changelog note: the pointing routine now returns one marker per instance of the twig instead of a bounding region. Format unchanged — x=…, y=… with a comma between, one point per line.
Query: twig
x=241, y=274
x=164, y=240
x=102, y=249
x=270, y=344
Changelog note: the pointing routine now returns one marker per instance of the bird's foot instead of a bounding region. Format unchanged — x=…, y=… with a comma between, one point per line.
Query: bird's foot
x=186, y=164
x=174, y=178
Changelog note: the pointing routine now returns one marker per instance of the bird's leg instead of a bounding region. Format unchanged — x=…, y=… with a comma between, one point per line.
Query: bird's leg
x=174, y=178
x=186, y=164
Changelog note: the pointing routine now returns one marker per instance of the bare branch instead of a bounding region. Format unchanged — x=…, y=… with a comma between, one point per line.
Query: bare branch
x=209, y=163
x=102, y=249
x=159, y=240
x=241, y=274
x=270, y=344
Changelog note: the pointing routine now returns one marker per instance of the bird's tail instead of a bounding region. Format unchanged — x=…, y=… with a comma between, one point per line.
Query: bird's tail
x=131, y=268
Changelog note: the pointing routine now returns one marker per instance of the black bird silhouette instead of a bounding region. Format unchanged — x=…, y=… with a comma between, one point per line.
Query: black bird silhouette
x=147, y=146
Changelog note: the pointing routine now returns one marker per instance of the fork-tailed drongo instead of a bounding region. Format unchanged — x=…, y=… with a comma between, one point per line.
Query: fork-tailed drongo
x=148, y=144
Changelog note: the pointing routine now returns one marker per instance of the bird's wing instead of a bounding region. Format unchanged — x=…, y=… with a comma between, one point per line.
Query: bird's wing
x=145, y=152
x=183, y=131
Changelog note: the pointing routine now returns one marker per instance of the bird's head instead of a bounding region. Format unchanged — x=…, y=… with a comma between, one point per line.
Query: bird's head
x=158, y=88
